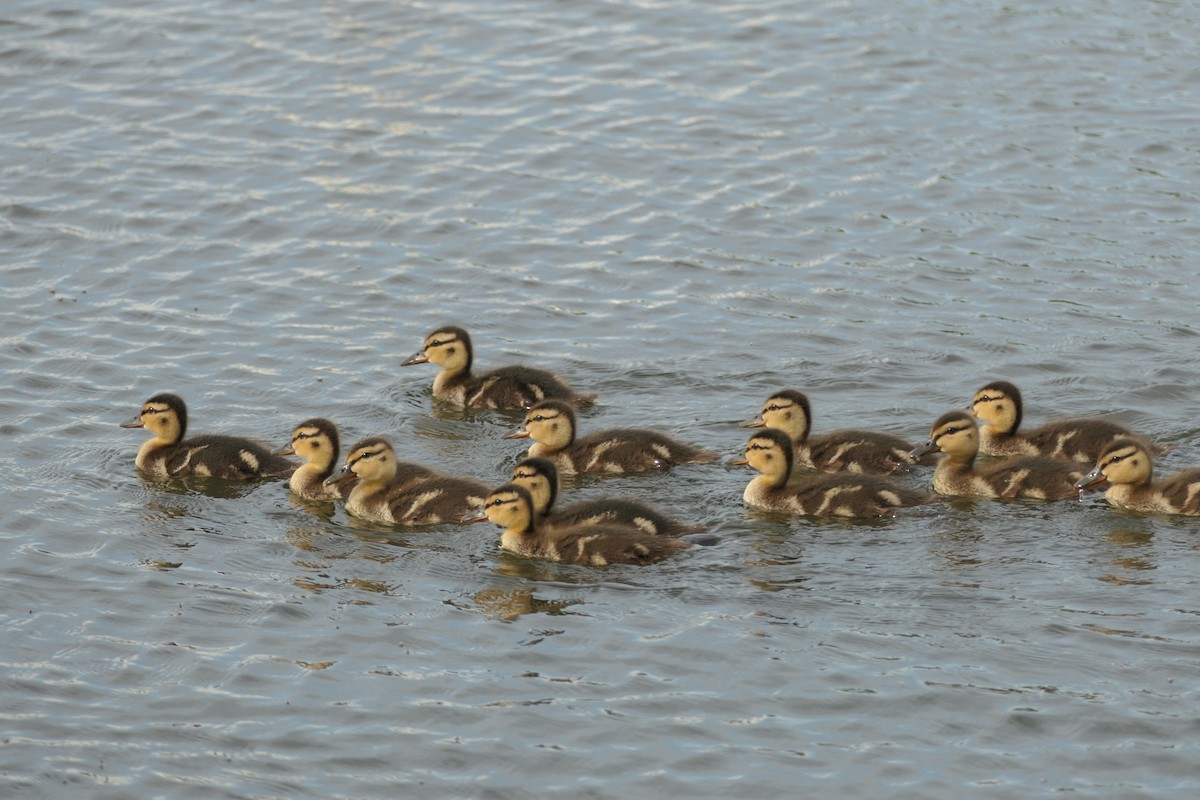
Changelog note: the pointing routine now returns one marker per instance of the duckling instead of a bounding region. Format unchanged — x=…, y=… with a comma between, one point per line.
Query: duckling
x=511, y=506
x=956, y=434
x=169, y=455
x=511, y=388
x=999, y=405
x=552, y=425
x=1127, y=465
x=770, y=452
x=403, y=493
x=315, y=440
x=540, y=477
x=843, y=450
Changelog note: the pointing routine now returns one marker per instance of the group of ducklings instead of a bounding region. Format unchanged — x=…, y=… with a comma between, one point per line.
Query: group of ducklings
x=841, y=473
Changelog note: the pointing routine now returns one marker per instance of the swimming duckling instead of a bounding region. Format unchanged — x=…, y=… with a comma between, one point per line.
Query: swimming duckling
x=315, y=440
x=511, y=507
x=956, y=434
x=770, y=452
x=169, y=455
x=540, y=477
x=552, y=426
x=843, y=450
x=999, y=405
x=514, y=388
x=1127, y=465
x=403, y=493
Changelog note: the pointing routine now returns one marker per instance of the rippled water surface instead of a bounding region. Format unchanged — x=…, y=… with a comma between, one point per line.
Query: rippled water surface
x=682, y=206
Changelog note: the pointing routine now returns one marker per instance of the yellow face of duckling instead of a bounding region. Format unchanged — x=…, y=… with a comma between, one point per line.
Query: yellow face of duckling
x=957, y=437
x=1124, y=462
x=312, y=444
x=159, y=418
x=550, y=424
x=997, y=407
x=508, y=508
x=785, y=414
x=372, y=461
x=449, y=348
x=766, y=455
x=538, y=484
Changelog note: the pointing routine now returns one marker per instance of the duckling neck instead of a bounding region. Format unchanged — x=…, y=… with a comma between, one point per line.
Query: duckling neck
x=153, y=450
x=514, y=541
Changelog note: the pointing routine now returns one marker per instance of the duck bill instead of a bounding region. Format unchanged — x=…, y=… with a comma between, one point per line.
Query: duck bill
x=522, y=434
x=418, y=357
x=340, y=478
x=739, y=462
x=136, y=422
x=753, y=423
x=929, y=447
x=473, y=516
x=1093, y=478
x=286, y=450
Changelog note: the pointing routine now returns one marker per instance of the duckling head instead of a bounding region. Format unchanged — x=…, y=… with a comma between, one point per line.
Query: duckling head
x=999, y=405
x=315, y=440
x=371, y=460
x=787, y=410
x=164, y=415
x=511, y=507
x=449, y=347
x=550, y=422
x=540, y=477
x=1123, y=461
x=955, y=433
x=770, y=452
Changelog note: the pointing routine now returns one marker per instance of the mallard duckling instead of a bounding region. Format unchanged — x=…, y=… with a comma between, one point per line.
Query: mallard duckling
x=842, y=450
x=315, y=440
x=956, y=434
x=540, y=477
x=552, y=426
x=1127, y=465
x=511, y=388
x=999, y=405
x=770, y=452
x=169, y=455
x=403, y=493
x=511, y=507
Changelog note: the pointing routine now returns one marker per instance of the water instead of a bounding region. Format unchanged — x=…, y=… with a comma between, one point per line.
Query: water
x=683, y=207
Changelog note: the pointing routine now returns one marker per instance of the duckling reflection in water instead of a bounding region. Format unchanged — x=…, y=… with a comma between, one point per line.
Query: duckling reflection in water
x=540, y=477
x=513, y=388
x=956, y=434
x=552, y=425
x=170, y=455
x=1127, y=466
x=999, y=406
x=843, y=450
x=511, y=507
x=400, y=493
x=825, y=494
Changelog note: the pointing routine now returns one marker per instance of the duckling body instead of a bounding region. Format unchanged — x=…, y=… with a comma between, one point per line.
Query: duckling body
x=1000, y=406
x=956, y=434
x=170, y=455
x=597, y=545
x=401, y=493
x=843, y=450
x=316, y=441
x=1127, y=465
x=511, y=388
x=552, y=426
x=540, y=477
x=770, y=451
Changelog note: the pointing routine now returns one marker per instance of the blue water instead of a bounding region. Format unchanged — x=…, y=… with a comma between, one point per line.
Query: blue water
x=682, y=207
